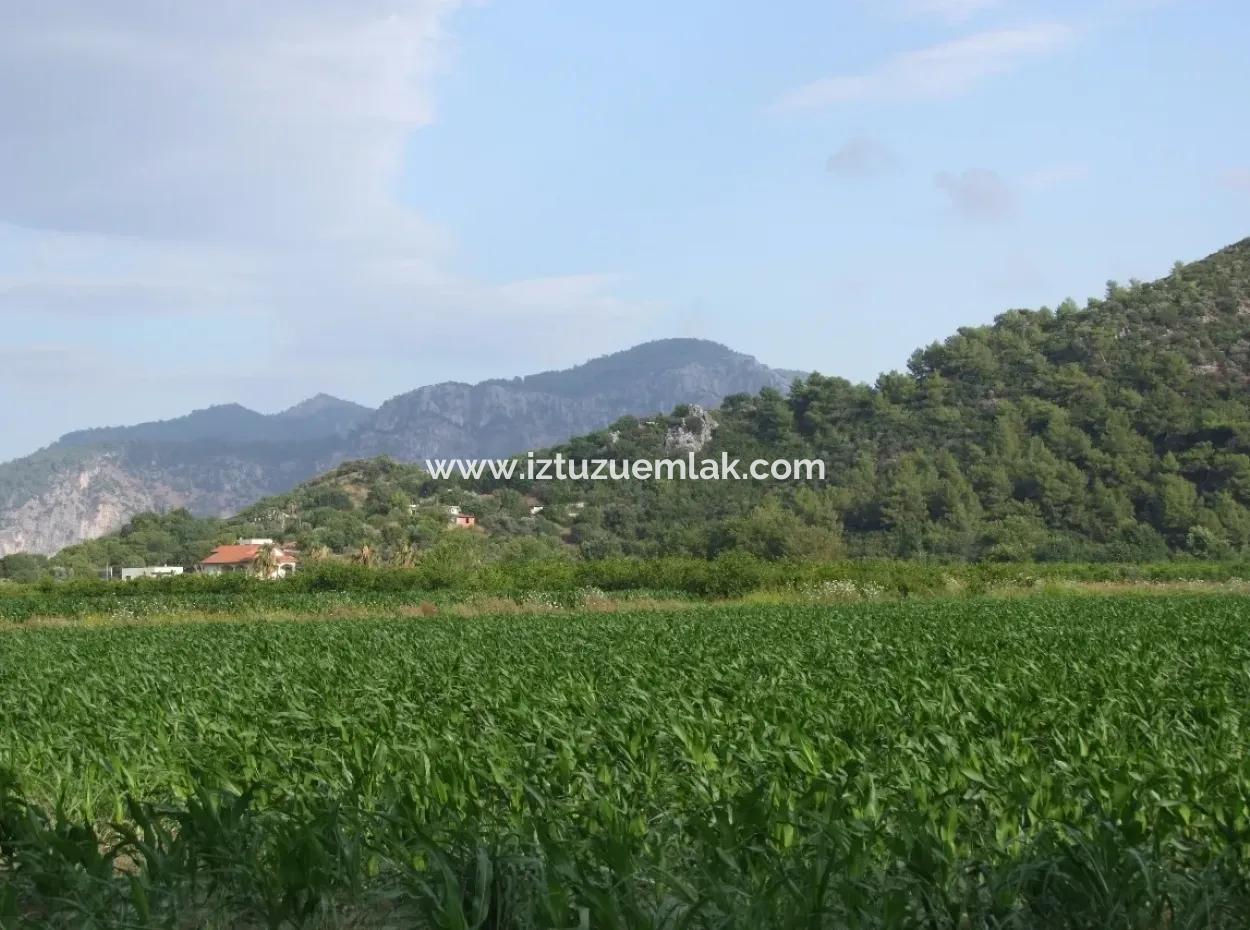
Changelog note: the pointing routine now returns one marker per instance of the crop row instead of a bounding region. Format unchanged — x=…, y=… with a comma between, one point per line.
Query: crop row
x=1045, y=762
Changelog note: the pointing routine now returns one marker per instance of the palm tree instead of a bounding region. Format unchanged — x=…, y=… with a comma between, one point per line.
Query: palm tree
x=266, y=562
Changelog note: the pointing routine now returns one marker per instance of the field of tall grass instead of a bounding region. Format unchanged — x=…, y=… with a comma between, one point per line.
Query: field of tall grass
x=1030, y=762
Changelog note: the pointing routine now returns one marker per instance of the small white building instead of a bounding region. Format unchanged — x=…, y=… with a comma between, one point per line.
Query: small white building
x=150, y=571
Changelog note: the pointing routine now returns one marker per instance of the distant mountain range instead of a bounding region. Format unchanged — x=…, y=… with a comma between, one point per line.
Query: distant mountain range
x=218, y=460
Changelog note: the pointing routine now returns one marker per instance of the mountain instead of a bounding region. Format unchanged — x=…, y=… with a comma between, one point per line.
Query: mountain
x=502, y=417
x=1115, y=431
x=315, y=418
x=218, y=460
x=322, y=415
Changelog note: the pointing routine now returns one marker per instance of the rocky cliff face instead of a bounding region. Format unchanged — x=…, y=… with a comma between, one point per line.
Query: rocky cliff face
x=218, y=461
x=83, y=502
x=96, y=491
x=499, y=418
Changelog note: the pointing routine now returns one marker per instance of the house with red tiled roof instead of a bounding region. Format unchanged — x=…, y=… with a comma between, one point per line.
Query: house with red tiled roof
x=245, y=556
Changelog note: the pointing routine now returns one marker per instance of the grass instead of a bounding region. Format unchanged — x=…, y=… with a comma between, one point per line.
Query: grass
x=335, y=587
x=1029, y=762
x=246, y=600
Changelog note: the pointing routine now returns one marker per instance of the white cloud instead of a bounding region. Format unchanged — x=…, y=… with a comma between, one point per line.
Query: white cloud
x=935, y=73
x=232, y=121
x=978, y=195
x=861, y=157
x=224, y=154
x=233, y=165
x=949, y=9
x=97, y=275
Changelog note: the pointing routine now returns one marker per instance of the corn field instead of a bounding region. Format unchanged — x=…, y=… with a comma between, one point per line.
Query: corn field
x=1043, y=762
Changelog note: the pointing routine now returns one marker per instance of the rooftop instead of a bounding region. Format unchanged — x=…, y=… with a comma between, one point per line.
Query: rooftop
x=244, y=554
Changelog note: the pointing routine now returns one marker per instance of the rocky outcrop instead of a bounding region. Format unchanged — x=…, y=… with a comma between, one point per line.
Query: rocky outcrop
x=96, y=491
x=691, y=434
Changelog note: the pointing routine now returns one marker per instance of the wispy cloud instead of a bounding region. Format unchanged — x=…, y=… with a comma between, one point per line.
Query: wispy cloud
x=978, y=195
x=861, y=157
x=949, y=9
x=935, y=73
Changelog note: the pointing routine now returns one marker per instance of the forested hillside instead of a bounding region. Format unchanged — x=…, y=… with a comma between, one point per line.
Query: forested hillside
x=1117, y=431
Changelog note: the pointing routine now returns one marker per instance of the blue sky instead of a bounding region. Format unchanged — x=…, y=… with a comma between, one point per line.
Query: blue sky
x=254, y=202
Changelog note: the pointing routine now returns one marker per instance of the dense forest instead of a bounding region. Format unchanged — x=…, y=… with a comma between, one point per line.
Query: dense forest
x=1115, y=432
x=1118, y=431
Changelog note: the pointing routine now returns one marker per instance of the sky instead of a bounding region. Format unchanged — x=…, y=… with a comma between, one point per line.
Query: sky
x=252, y=203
